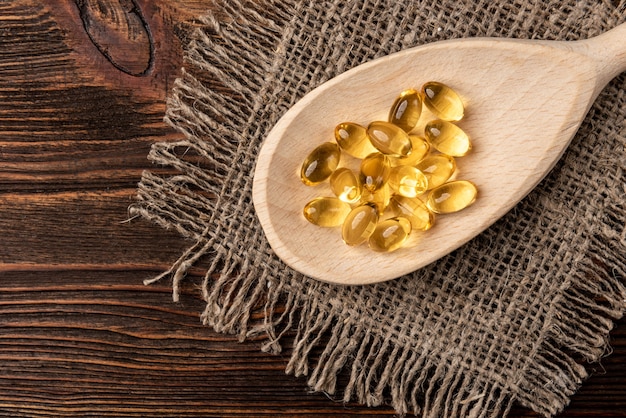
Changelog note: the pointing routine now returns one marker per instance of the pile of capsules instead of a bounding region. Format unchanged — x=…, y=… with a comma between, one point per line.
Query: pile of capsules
x=404, y=178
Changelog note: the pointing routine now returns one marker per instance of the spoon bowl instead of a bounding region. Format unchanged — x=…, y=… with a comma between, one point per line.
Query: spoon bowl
x=524, y=102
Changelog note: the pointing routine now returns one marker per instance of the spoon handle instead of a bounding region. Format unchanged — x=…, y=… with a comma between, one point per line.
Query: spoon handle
x=608, y=50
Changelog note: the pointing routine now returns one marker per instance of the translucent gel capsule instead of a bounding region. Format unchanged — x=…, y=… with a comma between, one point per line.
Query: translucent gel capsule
x=452, y=196
x=326, y=211
x=389, y=139
x=345, y=185
x=420, y=148
x=437, y=168
x=374, y=171
x=414, y=210
x=359, y=224
x=407, y=181
x=353, y=139
x=448, y=138
x=380, y=198
x=444, y=102
x=320, y=164
x=406, y=110
x=390, y=234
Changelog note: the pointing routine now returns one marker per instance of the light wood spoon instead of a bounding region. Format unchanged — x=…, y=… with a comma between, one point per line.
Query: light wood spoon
x=524, y=102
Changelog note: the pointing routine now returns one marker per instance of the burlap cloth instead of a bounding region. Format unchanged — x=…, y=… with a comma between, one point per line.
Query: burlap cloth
x=510, y=317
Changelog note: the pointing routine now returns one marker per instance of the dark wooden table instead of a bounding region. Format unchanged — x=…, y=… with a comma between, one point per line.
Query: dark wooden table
x=82, y=94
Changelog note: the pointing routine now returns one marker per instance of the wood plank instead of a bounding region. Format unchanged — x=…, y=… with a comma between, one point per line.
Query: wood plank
x=80, y=227
x=106, y=345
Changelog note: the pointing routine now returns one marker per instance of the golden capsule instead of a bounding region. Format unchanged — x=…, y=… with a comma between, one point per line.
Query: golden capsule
x=414, y=210
x=407, y=181
x=389, y=139
x=452, y=196
x=420, y=148
x=359, y=224
x=320, y=164
x=390, y=234
x=345, y=185
x=374, y=171
x=444, y=102
x=437, y=168
x=406, y=110
x=353, y=139
x=326, y=211
x=447, y=138
x=379, y=198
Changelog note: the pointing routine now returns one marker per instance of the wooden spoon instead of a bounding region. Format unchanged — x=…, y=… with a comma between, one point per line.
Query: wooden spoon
x=524, y=102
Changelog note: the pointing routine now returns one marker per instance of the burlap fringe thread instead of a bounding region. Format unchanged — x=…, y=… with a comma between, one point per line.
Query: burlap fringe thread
x=381, y=369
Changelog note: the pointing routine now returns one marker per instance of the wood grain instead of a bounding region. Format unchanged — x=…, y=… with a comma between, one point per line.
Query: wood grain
x=79, y=334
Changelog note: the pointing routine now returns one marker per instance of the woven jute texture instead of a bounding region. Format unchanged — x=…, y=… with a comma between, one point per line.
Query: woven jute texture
x=512, y=316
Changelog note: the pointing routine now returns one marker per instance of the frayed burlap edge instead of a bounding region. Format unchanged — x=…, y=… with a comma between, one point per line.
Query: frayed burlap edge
x=234, y=288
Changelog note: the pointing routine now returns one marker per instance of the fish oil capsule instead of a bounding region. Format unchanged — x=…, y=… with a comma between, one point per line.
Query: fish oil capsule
x=390, y=234
x=353, y=139
x=444, y=102
x=420, y=148
x=389, y=139
x=452, y=196
x=380, y=198
x=407, y=181
x=414, y=210
x=345, y=185
x=359, y=224
x=320, y=164
x=374, y=171
x=326, y=211
x=406, y=110
x=437, y=168
x=447, y=138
